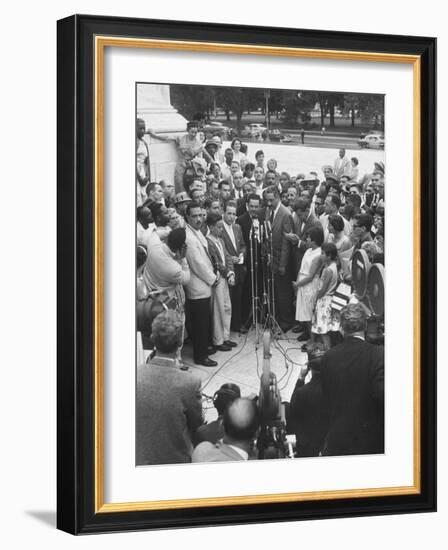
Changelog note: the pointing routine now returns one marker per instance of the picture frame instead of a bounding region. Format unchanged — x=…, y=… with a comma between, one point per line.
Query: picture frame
x=82, y=41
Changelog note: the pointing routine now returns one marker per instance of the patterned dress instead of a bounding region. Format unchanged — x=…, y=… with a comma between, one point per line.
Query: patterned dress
x=326, y=319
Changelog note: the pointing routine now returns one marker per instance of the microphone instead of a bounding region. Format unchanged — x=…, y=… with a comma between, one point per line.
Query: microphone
x=256, y=228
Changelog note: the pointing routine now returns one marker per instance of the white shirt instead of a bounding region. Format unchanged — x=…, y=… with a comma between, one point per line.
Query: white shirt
x=242, y=453
x=230, y=233
x=275, y=211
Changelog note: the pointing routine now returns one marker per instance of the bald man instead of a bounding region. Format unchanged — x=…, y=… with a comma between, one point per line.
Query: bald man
x=240, y=427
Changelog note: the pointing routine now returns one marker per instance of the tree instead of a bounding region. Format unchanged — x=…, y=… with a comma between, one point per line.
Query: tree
x=239, y=100
x=351, y=106
x=189, y=100
x=298, y=104
x=371, y=109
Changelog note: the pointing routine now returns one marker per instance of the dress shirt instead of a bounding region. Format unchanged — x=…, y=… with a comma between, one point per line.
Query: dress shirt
x=229, y=230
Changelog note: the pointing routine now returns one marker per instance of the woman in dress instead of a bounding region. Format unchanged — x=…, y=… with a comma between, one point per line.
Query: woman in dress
x=354, y=169
x=238, y=155
x=325, y=319
x=337, y=235
x=308, y=281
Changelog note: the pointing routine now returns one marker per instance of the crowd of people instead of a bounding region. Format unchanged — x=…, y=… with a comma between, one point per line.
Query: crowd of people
x=199, y=251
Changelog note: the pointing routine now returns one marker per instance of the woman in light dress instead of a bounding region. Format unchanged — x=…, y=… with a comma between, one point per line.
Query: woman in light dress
x=307, y=282
x=325, y=319
x=190, y=149
x=238, y=156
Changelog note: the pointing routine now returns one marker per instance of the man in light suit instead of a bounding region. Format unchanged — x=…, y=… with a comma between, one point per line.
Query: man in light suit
x=342, y=165
x=198, y=289
x=235, y=246
x=168, y=401
x=240, y=427
x=280, y=220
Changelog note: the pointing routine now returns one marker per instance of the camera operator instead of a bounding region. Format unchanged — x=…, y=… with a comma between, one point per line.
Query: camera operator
x=241, y=422
x=223, y=398
x=168, y=401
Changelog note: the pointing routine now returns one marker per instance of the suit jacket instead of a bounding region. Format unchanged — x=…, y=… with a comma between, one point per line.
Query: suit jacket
x=239, y=269
x=168, y=412
x=220, y=452
x=352, y=375
x=300, y=249
x=280, y=245
x=202, y=275
x=240, y=206
x=212, y=432
x=308, y=416
x=245, y=222
x=224, y=267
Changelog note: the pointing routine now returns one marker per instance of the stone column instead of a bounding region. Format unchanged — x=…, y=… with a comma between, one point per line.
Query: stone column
x=154, y=107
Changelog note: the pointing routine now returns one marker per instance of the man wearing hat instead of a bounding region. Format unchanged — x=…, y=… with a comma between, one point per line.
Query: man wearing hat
x=212, y=149
x=219, y=154
x=181, y=201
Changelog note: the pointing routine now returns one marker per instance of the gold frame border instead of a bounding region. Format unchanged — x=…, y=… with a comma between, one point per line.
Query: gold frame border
x=101, y=42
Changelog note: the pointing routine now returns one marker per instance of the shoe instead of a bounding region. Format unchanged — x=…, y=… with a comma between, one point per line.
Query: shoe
x=304, y=348
x=243, y=330
x=230, y=344
x=211, y=350
x=206, y=362
x=223, y=347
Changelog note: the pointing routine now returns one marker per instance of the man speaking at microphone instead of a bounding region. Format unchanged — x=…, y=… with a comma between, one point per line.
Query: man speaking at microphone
x=280, y=219
x=251, y=239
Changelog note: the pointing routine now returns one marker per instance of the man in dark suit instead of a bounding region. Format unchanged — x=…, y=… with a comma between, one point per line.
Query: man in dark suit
x=236, y=247
x=168, y=401
x=252, y=242
x=308, y=414
x=303, y=220
x=240, y=426
x=352, y=375
x=279, y=218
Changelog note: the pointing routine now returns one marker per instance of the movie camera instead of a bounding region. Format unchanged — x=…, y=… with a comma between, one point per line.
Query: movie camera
x=368, y=284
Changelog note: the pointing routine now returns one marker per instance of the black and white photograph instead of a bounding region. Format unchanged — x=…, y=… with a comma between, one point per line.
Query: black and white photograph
x=260, y=279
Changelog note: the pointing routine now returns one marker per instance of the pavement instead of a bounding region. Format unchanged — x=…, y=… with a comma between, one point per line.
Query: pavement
x=244, y=364
x=295, y=158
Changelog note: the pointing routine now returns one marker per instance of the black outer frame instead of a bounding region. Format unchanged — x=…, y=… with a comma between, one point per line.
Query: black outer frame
x=75, y=173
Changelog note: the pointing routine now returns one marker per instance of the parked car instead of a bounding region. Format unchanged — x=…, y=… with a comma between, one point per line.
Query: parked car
x=362, y=135
x=217, y=129
x=372, y=141
x=274, y=135
x=253, y=130
x=286, y=138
